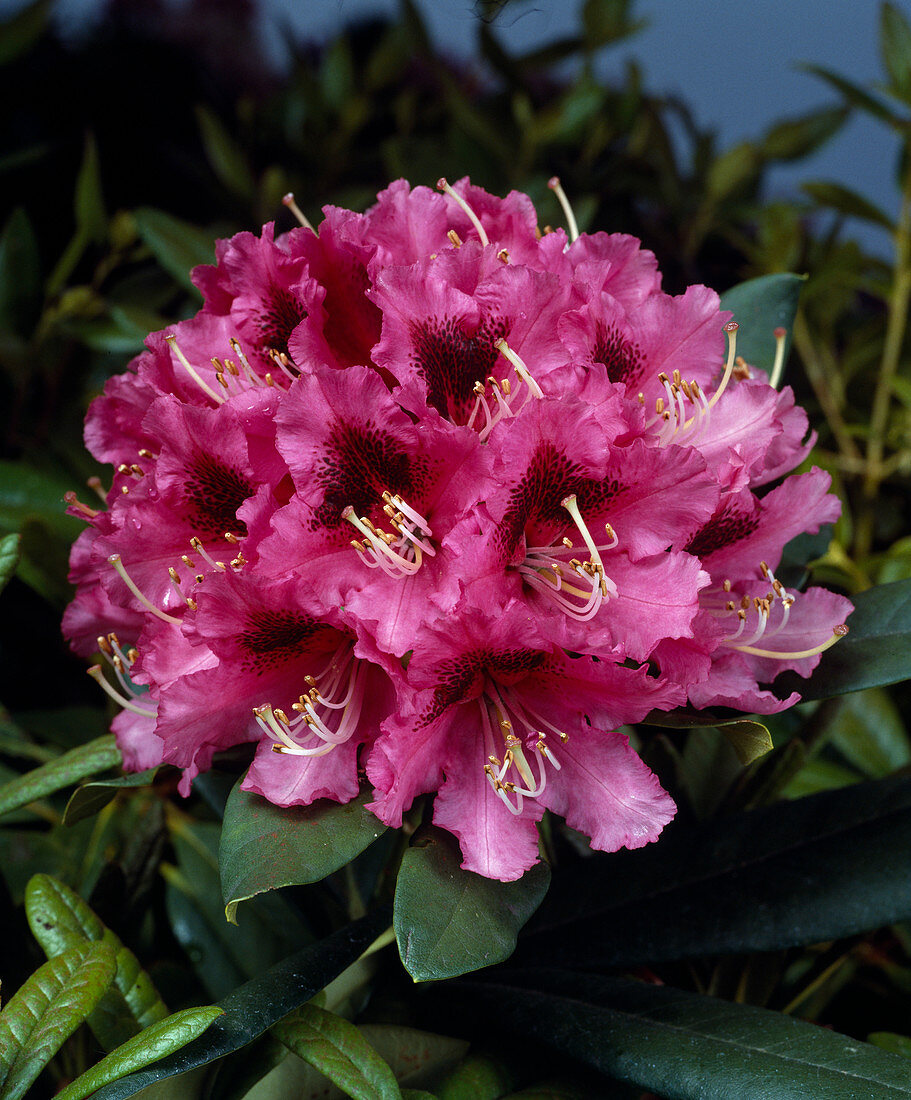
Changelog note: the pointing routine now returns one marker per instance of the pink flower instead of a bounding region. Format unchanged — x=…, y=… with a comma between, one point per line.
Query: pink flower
x=437, y=500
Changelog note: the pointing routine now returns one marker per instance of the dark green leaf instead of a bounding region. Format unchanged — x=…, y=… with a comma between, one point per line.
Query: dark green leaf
x=801, y=872
x=48, y=1008
x=895, y=46
x=29, y=493
x=869, y=732
x=846, y=201
x=224, y=154
x=855, y=95
x=876, y=651
x=759, y=307
x=732, y=170
x=91, y=217
x=224, y=954
x=338, y=1050
x=177, y=245
x=449, y=921
x=797, y=137
x=60, y=919
x=156, y=1041
x=97, y=756
x=682, y=1045
x=9, y=558
x=20, y=276
x=264, y=847
x=87, y=800
x=606, y=21
x=792, y=569
x=260, y=1003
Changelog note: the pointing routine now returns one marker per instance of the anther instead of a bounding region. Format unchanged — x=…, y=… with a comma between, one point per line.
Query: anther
x=455, y=238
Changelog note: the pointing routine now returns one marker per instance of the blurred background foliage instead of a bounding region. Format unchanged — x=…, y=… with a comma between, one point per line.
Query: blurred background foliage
x=131, y=149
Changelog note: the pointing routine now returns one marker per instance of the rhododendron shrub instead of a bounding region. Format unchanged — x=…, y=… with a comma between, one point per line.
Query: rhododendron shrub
x=434, y=503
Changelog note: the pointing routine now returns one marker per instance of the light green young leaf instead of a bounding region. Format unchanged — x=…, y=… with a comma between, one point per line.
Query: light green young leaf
x=9, y=558
x=48, y=1008
x=337, y=1049
x=97, y=756
x=157, y=1040
x=90, y=798
x=60, y=919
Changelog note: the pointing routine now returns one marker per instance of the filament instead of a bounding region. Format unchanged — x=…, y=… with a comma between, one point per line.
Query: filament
x=442, y=185
x=554, y=184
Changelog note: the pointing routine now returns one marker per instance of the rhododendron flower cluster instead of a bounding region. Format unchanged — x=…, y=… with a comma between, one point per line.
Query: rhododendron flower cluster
x=429, y=501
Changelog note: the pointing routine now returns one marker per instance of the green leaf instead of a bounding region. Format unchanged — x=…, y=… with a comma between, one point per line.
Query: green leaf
x=338, y=1050
x=48, y=1008
x=224, y=154
x=869, y=732
x=90, y=798
x=9, y=558
x=888, y=1040
x=156, y=1041
x=759, y=307
x=846, y=201
x=681, y=1045
x=751, y=740
x=800, y=872
x=417, y=1058
x=855, y=95
x=29, y=493
x=895, y=46
x=91, y=217
x=264, y=847
x=20, y=276
x=732, y=170
x=59, y=920
x=177, y=245
x=797, y=137
x=876, y=651
x=477, y=1078
x=261, y=1002
x=96, y=756
x=449, y=921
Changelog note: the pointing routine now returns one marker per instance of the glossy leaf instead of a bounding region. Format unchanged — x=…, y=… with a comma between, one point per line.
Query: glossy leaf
x=9, y=558
x=448, y=921
x=60, y=919
x=876, y=651
x=338, y=1050
x=800, y=872
x=261, y=1002
x=177, y=245
x=846, y=201
x=155, y=1042
x=96, y=756
x=48, y=1008
x=681, y=1045
x=264, y=847
x=90, y=798
x=759, y=307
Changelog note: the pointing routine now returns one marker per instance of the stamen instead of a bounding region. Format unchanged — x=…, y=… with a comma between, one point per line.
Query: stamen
x=94, y=483
x=191, y=370
x=838, y=632
x=520, y=367
x=73, y=502
x=778, y=366
x=554, y=184
x=98, y=676
x=399, y=555
x=731, y=329
x=442, y=185
x=288, y=200
x=114, y=559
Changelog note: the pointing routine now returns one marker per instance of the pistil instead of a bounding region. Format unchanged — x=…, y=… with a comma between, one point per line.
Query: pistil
x=503, y=394
x=443, y=186
x=554, y=184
